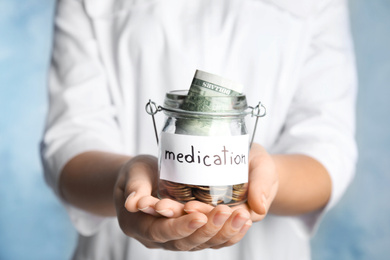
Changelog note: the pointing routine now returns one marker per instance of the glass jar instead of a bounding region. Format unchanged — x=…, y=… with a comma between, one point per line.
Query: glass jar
x=204, y=155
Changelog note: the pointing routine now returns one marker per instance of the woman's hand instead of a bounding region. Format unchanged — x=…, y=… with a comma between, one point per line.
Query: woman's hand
x=144, y=217
x=262, y=189
x=283, y=184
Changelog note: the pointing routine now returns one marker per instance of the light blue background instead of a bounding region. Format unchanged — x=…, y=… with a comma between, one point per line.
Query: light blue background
x=34, y=226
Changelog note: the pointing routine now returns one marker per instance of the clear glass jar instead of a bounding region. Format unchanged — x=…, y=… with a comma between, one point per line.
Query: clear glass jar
x=204, y=155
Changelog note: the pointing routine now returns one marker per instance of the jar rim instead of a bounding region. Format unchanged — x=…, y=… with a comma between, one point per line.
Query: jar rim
x=182, y=94
x=227, y=105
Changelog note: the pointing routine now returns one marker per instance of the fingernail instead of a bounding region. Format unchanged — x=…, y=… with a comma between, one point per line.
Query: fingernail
x=239, y=221
x=165, y=212
x=130, y=197
x=264, y=202
x=189, y=211
x=245, y=228
x=148, y=210
x=197, y=223
x=220, y=218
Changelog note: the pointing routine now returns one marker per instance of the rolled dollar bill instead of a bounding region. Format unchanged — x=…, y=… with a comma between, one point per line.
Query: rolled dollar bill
x=205, y=85
x=208, y=93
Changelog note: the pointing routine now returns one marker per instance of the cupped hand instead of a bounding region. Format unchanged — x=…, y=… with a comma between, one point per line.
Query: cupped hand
x=136, y=183
x=164, y=223
x=262, y=189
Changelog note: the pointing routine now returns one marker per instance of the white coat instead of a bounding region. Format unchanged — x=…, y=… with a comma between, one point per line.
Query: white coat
x=111, y=56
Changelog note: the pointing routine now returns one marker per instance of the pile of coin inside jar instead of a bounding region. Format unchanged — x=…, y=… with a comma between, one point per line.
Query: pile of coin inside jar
x=214, y=195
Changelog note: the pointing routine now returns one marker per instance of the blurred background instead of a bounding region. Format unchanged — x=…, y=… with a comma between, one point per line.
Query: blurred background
x=33, y=225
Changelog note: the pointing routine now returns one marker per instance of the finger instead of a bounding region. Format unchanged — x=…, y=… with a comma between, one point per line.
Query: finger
x=237, y=238
x=147, y=204
x=231, y=230
x=197, y=206
x=253, y=215
x=169, y=208
x=216, y=220
x=162, y=230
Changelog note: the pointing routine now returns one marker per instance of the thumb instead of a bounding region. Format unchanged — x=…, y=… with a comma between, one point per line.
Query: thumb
x=140, y=182
x=263, y=180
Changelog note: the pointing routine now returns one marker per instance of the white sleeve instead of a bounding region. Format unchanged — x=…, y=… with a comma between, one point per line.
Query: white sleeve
x=81, y=116
x=321, y=119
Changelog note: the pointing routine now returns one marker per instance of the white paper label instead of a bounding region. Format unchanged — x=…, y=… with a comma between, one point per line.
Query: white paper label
x=204, y=160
